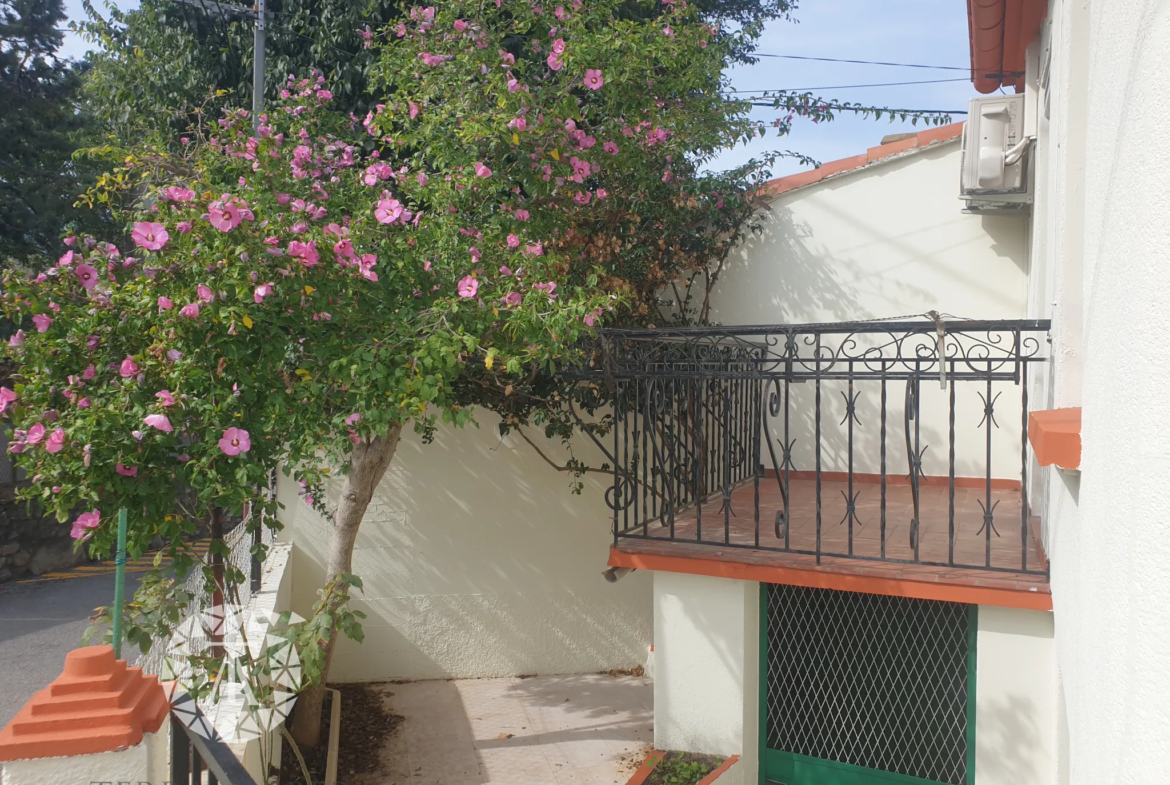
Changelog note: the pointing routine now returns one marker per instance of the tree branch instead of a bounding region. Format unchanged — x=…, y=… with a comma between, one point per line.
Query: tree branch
x=553, y=463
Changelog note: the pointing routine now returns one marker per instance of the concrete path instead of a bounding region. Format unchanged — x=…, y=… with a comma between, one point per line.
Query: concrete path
x=546, y=730
x=39, y=624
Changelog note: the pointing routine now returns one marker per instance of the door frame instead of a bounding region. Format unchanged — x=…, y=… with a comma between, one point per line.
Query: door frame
x=832, y=772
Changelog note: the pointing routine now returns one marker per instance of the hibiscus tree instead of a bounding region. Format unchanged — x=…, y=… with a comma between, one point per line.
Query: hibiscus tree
x=297, y=299
x=300, y=294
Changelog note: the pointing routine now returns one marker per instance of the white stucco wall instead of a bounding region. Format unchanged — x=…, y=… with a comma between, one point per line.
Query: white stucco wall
x=478, y=561
x=143, y=764
x=706, y=667
x=885, y=241
x=1110, y=131
x=1015, y=698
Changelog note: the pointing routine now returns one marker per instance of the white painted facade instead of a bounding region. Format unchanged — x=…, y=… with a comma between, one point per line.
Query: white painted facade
x=706, y=668
x=887, y=240
x=1100, y=245
x=707, y=681
x=146, y=763
x=1015, y=698
x=478, y=560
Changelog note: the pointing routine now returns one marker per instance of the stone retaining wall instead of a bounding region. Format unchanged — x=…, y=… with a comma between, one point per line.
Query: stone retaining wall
x=31, y=544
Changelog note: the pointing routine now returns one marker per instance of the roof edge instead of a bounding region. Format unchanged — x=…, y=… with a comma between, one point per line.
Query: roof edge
x=920, y=141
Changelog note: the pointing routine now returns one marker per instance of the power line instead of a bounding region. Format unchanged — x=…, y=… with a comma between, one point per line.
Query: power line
x=848, y=86
x=883, y=109
x=863, y=62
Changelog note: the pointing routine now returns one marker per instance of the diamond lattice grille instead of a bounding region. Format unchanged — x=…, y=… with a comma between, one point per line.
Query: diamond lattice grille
x=873, y=681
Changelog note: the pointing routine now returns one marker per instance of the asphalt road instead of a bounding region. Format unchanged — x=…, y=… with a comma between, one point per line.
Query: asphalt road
x=39, y=624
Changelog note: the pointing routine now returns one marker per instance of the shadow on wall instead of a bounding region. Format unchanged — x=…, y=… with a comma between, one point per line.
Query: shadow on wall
x=785, y=273
x=479, y=561
x=1007, y=742
x=821, y=258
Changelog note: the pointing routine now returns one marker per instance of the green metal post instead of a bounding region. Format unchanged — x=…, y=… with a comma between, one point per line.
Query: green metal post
x=119, y=582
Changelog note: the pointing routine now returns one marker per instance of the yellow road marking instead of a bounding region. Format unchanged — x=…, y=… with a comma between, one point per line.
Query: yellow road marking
x=145, y=562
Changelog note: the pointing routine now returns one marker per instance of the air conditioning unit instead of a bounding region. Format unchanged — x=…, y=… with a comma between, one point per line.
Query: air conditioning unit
x=996, y=176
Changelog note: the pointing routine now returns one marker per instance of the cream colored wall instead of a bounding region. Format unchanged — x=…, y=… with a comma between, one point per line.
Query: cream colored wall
x=1104, y=200
x=706, y=667
x=1015, y=698
x=886, y=241
x=142, y=764
x=478, y=561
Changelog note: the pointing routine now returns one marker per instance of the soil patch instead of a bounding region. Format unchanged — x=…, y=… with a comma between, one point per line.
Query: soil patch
x=365, y=727
x=683, y=768
x=637, y=670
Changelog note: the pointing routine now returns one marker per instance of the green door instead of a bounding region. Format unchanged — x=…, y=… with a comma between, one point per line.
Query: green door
x=865, y=689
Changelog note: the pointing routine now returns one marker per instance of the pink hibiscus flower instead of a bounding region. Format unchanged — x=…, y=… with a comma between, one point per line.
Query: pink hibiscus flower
x=366, y=265
x=166, y=397
x=205, y=293
x=126, y=471
x=7, y=396
x=305, y=252
x=165, y=304
x=89, y=372
x=87, y=275
x=611, y=148
x=42, y=322
x=35, y=434
x=148, y=235
x=593, y=79
x=468, y=286
x=178, y=194
x=129, y=368
x=235, y=441
x=262, y=291
x=17, y=339
x=183, y=226
x=388, y=211
x=84, y=523
x=227, y=213
x=190, y=310
x=481, y=170
x=158, y=421
x=521, y=215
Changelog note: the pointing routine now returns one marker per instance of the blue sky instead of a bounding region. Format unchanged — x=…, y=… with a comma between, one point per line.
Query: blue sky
x=929, y=32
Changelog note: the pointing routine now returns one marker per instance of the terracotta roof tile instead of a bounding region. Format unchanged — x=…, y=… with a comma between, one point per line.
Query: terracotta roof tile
x=921, y=140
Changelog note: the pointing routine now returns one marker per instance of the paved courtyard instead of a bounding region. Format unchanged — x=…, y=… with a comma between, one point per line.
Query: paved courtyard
x=546, y=730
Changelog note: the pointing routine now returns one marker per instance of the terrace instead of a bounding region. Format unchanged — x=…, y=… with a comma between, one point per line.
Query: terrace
x=884, y=456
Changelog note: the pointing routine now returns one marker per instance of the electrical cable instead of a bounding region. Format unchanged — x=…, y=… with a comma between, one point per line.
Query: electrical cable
x=876, y=108
x=845, y=86
x=863, y=62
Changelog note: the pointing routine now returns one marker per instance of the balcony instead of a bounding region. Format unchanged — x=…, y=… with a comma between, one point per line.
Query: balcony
x=886, y=456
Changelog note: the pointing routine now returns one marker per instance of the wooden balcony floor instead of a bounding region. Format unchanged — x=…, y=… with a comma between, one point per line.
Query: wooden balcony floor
x=970, y=551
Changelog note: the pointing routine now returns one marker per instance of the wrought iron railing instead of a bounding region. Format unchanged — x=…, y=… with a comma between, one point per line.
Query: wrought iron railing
x=826, y=440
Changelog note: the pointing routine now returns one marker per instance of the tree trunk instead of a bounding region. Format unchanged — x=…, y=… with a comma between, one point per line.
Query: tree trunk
x=367, y=465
